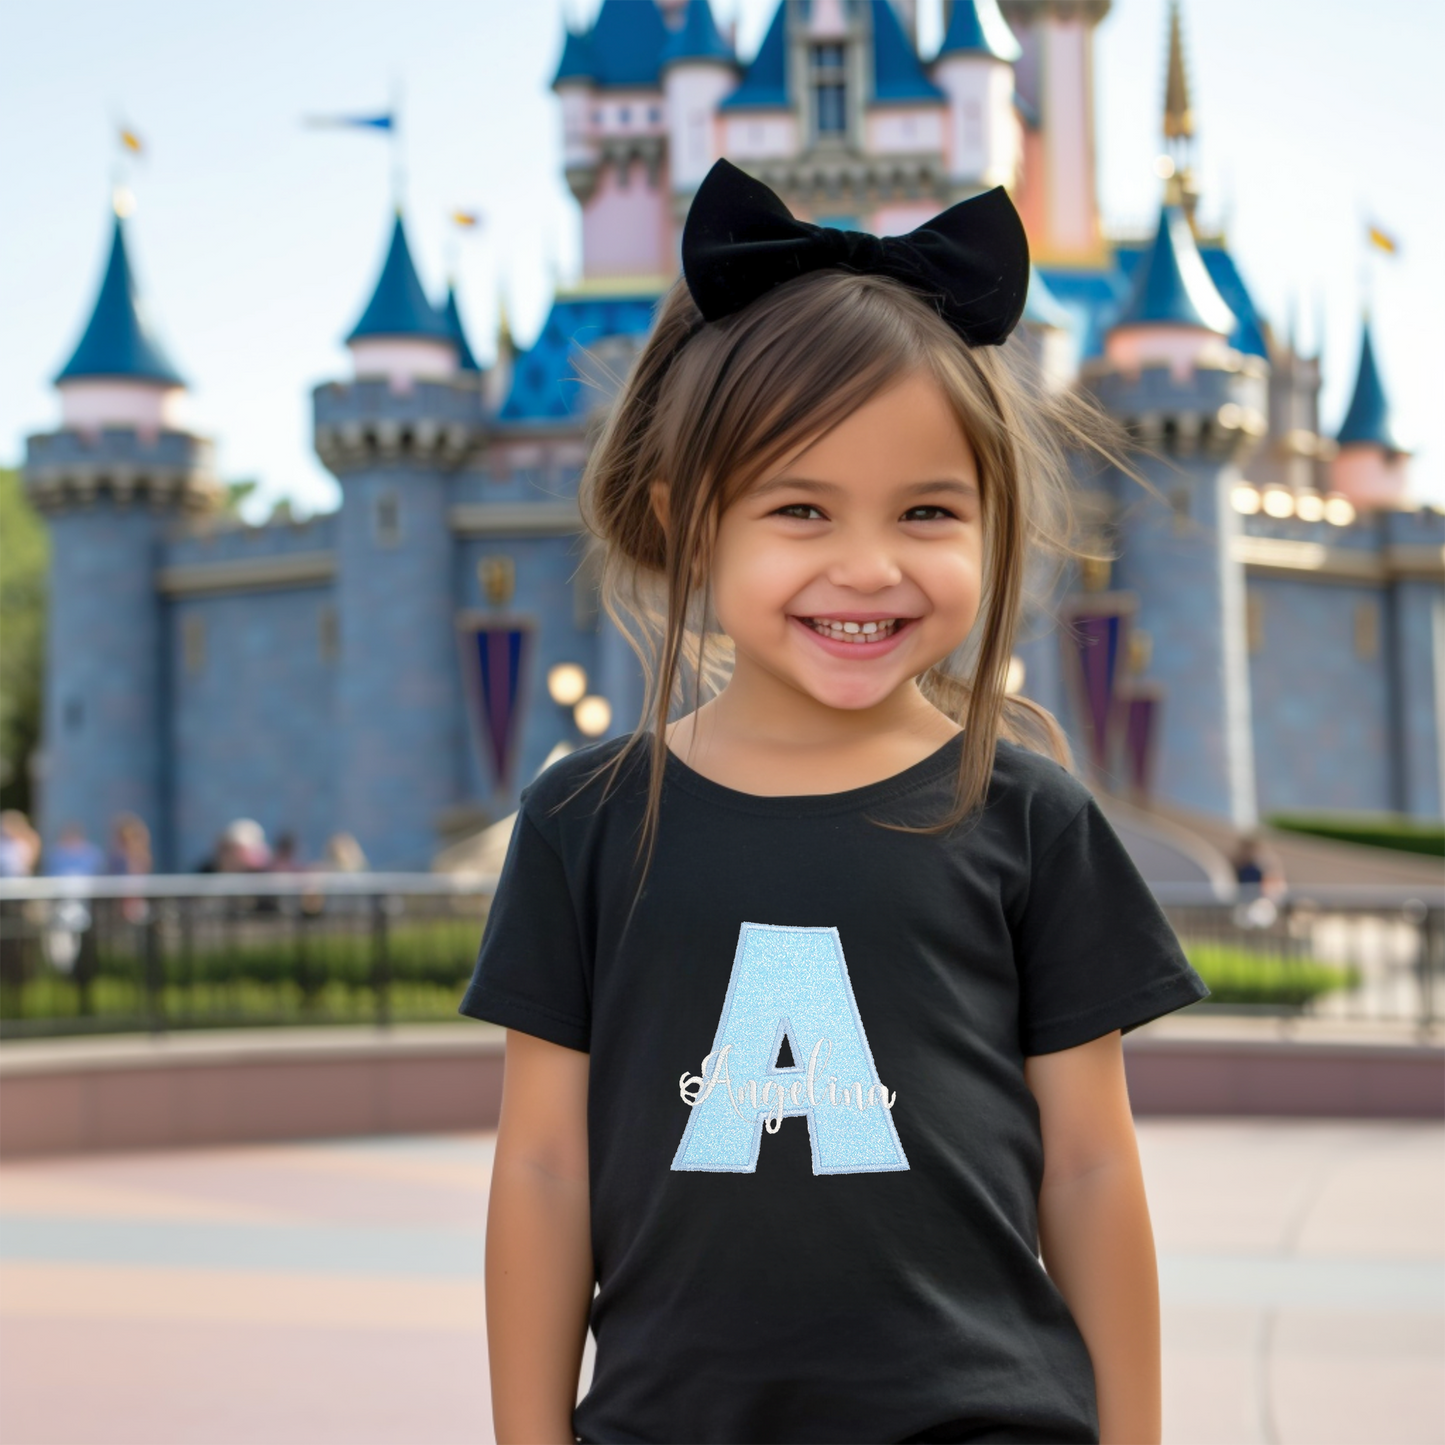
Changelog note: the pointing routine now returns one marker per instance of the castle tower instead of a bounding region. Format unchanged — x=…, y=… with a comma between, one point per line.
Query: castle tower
x=698, y=69
x=1198, y=406
x=452, y=314
x=974, y=67
x=109, y=481
x=394, y=436
x=1055, y=79
x=615, y=142
x=1370, y=467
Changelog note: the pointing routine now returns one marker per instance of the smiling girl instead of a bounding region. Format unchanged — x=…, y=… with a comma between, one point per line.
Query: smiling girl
x=814, y=1106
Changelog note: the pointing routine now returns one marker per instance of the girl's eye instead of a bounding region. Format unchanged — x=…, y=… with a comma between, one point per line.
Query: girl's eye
x=943, y=511
x=797, y=507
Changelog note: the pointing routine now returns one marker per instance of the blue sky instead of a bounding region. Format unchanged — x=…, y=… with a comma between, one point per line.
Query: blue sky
x=257, y=240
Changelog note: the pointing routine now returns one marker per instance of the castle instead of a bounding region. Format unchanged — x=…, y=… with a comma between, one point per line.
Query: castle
x=1271, y=635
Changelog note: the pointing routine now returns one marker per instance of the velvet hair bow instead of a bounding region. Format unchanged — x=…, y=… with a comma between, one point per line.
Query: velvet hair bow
x=972, y=260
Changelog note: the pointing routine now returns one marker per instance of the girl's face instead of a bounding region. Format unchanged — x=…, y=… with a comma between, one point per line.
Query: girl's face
x=857, y=565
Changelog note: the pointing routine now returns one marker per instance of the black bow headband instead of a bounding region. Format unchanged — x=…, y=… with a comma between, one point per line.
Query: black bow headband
x=740, y=241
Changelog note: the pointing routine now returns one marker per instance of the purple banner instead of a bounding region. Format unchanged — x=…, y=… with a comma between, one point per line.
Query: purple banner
x=497, y=655
x=1141, y=737
x=1099, y=641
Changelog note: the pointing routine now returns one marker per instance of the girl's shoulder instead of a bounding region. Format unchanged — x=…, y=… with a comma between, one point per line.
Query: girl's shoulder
x=578, y=780
x=1037, y=791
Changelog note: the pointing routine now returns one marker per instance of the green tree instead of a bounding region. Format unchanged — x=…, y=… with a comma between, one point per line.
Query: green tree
x=24, y=568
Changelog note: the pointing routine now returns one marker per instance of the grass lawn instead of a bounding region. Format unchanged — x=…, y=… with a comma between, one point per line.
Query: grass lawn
x=1240, y=975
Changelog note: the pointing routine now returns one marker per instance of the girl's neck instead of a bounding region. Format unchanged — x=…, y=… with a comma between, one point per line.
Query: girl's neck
x=755, y=740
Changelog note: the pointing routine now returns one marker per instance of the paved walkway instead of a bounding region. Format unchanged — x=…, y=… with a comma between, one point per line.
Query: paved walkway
x=333, y=1292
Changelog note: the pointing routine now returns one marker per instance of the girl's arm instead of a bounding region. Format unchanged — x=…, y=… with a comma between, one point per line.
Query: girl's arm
x=1094, y=1230
x=539, y=1243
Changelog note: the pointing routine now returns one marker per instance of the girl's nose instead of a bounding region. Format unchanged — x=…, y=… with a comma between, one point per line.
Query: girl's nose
x=864, y=569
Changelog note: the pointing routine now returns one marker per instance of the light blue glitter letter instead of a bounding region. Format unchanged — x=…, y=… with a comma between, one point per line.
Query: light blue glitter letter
x=793, y=983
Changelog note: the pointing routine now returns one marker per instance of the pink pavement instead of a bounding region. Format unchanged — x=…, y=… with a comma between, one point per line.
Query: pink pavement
x=325, y=1292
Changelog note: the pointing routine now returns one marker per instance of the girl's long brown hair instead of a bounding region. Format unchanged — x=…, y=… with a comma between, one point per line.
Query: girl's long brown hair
x=710, y=408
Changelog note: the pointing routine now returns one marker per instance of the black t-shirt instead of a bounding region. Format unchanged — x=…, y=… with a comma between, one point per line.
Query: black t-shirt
x=854, y=1256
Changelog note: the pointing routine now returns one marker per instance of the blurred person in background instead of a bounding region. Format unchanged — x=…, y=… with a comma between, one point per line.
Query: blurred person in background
x=74, y=855
x=130, y=846
x=287, y=857
x=343, y=855
x=243, y=847
x=19, y=845
x=1260, y=880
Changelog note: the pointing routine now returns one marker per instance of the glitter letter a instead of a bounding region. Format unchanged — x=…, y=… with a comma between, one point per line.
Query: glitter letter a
x=793, y=983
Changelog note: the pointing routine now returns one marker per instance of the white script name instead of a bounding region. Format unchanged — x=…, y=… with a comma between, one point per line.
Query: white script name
x=694, y=1088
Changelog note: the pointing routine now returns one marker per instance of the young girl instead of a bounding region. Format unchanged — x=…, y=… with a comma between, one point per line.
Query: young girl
x=804, y=1090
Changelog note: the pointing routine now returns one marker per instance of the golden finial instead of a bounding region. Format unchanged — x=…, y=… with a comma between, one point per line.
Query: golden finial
x=1178, y=117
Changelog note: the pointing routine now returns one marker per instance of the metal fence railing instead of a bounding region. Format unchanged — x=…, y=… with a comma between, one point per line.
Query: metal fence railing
x=1342, y=951
x=158, y=953
x=115, y=954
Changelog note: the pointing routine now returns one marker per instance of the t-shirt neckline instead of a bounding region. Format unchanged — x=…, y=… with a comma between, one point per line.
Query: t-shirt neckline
x=943, y=759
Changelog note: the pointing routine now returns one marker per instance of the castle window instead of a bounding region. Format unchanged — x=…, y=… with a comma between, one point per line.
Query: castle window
x=654, y=115
x=193, y=643
x=386, y=520
x=830, y=90
x=624, y=115
x=74, y=714
x=1367, y=630
x=328, y=633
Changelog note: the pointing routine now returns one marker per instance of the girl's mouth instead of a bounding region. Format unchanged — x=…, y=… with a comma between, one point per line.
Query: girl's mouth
x=860, y=635
x=858, y=640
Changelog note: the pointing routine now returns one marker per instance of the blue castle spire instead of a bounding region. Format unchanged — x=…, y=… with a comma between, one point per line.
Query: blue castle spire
x=118, y=341
x=976, y=27
x=766, y=81
x=897, y=72
x=1173, y=287
x=399, y=306
x=627, y=40
x=1368, y=419
x=576, y=62
x=697, y=38
x=465, y=360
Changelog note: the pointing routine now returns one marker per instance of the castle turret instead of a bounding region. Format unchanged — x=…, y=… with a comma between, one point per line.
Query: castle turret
x=401, y=335
x=1370, y=467
x=615, y=143
x=1055, y=78
x=395, y=437
x=698, y=69
x=109, y=482
x=974, y=66
x=574, y=83
x=452, y=312
x=1198, y=407
x=1175, y=315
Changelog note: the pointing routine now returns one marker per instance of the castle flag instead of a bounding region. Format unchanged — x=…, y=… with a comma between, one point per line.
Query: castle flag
x=1383, y=241
x=384, y=122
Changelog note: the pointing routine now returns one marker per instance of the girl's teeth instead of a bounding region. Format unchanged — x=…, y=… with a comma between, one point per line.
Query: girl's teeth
x=860, y=633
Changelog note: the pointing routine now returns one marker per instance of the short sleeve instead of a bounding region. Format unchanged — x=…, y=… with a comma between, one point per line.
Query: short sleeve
x=530, y=973
x=1093, y=948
